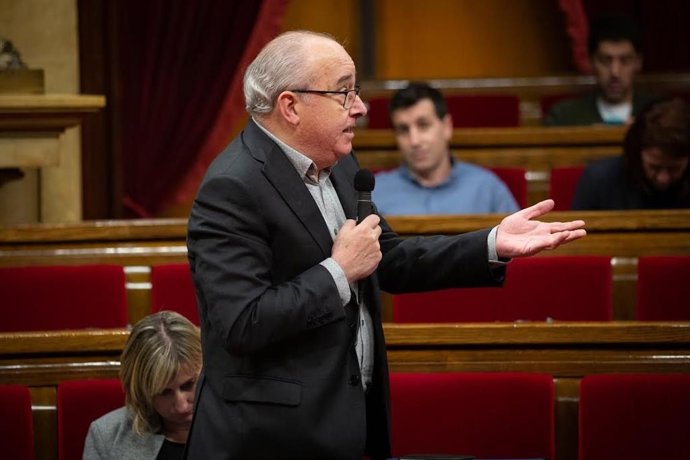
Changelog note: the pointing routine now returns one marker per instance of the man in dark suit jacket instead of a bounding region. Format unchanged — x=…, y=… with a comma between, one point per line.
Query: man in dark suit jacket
x=287, y=282
x=614, y=47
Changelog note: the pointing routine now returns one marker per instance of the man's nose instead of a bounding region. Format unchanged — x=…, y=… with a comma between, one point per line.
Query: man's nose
x=414, y=136
x=359, y=108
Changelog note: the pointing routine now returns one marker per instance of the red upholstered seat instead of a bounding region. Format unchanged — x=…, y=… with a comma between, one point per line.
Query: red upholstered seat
x=62, y=297
x=516, y=181
x=377, y=115
x=16, y=423
x=663, y=288
x=80, y=402
x=634, y=417
x=564, y=288
x=467, y=110
x=562, y=186
x=484, y=110
x=172, y=288
x=487, y=415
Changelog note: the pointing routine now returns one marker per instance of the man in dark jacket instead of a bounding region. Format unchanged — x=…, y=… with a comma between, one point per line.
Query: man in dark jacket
x=615, y=57
x=288, y=284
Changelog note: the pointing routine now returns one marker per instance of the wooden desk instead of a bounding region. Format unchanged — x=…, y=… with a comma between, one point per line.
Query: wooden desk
x=536, y=149
x=531, y=90
x=36, y=131
x=139, y=244
x=568, y=351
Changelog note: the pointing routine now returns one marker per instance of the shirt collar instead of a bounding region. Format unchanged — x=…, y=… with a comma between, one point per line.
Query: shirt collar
x=304, y=166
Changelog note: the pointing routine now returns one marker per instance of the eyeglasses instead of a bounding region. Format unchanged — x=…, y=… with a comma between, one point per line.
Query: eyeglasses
x=350, y=94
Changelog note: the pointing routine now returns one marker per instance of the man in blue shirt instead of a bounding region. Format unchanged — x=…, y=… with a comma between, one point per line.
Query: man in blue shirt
x=431, y=181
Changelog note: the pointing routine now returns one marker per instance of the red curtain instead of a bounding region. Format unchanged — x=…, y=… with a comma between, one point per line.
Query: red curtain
x=232, y=113
x=176, y=63
x=577, y=28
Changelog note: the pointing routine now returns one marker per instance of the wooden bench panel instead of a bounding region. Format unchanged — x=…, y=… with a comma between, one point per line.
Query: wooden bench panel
x=536, y=149
x=137, y=245
x=531, y=90
x=568, y=351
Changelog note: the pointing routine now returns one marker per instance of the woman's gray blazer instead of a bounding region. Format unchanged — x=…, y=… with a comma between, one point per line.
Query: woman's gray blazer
x=112, y=437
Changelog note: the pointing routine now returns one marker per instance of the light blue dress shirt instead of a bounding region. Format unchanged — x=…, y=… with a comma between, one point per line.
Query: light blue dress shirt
x=469, y=189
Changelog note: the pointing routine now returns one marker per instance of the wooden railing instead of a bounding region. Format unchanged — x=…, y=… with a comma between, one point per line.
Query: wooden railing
x=139, y=244
x=536, y=149
x=530, y=90
x=567, y=351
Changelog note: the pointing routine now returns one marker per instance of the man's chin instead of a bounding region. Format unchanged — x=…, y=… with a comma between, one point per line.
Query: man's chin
x=615, y=96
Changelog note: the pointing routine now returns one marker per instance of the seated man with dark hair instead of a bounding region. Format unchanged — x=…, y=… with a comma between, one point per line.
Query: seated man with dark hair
x=431, y=181
x=615, y=55
x=653, y=171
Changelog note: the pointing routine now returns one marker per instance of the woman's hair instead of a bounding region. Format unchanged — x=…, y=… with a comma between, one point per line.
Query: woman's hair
x=159, y=346
x=280, y=66
x=664, y=124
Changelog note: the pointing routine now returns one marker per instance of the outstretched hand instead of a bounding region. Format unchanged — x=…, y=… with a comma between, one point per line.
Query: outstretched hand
x=519, y=235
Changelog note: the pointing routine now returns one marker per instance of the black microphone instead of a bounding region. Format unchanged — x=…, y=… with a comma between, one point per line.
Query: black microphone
x=364, y=184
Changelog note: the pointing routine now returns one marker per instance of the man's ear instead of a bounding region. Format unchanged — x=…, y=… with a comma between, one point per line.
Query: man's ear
x=447, y=126
x=287, y=105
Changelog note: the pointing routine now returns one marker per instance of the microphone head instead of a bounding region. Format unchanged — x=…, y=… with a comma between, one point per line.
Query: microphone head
x=364, y=181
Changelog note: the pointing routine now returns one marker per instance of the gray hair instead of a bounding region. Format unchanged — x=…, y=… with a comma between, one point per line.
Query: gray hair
x=279, y=66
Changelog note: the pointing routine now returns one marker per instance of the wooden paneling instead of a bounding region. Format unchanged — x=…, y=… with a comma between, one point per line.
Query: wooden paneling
x=567, y=351
x=445, y=38
x=335, y=17
x=139, y=244
x=530, y=90
x=470, y=38
x=536, y=149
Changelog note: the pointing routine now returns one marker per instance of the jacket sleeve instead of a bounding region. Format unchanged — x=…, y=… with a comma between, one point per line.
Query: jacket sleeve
x=94, y=445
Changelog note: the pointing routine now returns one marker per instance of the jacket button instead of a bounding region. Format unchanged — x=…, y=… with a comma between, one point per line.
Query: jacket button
x=354, y=380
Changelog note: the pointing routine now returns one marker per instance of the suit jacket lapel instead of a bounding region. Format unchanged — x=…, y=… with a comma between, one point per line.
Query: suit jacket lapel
x=282, y=174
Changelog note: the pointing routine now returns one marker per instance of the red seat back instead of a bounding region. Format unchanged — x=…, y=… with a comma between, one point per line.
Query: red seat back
x=562, y=186
x=516, y=181
x=663, y=288
x=80, y=402
x=634, y=417
x=62, y=297
x=487, y=415
x=172, y=288
x=564, y=288
x=484, y=110
x=16, y=423
x=467, y=110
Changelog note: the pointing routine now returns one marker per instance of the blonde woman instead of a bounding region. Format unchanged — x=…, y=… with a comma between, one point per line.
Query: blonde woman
x=160, y=366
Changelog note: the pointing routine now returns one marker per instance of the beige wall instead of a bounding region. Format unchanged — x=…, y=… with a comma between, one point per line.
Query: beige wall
x=45, y=33
x=336, y=17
